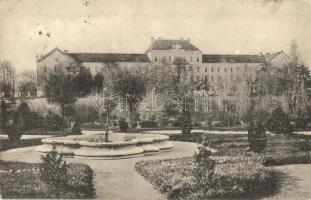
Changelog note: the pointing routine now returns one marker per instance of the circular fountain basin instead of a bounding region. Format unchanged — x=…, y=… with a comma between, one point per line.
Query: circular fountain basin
x=121, y=145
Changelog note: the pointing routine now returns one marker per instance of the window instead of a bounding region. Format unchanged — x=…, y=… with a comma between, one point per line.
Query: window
x=205, y=69
x=198, y=59
x=198, y=69
x=225, y=69
x=198, y=78
x=45, y=69
x=163, y=58
x=212, y=78
x=212, y=69
x=155, y=59
x=205, y=78
x=218, y=69
x=219, y=78
x=190, y=58
x=231, y=69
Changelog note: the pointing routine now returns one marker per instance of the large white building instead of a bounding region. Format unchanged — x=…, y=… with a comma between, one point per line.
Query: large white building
x=205, y=67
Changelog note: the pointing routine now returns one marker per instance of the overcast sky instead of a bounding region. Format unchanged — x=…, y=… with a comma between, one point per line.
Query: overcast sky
x=30, y=27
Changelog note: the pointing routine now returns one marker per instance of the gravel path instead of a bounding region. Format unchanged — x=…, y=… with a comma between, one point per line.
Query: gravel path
x=297, y=186
x=114, y=179
x=117, y=179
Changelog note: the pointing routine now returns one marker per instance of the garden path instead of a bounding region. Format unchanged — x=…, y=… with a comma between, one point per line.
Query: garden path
x=117, y=179
x=114, y=179
x=297, y=186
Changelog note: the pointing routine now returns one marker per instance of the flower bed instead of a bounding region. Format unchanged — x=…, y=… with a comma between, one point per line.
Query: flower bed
x=238, y=177
x=280, y=149
x=21, y=180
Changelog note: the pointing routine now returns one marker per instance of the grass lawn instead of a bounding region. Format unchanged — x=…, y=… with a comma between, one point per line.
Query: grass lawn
x=239, y=173
x=280, y=149
x=6, y=144
x=21, y=180
x=237, y=178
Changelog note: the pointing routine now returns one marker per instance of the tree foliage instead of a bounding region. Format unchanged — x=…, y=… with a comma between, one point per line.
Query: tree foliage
x=98, y=83
x=279, y=122
x=61, y=89
x=7, y=79
x=84, y=83
x=186, y=122
x=131, y=87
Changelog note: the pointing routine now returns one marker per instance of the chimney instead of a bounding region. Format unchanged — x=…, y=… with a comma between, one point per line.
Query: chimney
x=188, y=39
x=152, y=39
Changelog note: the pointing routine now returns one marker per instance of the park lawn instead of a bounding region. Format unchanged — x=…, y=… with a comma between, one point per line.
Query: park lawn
x=21, y=180
x=6, y=144
x=280, y=149
x=238, y=178
x=239, y=173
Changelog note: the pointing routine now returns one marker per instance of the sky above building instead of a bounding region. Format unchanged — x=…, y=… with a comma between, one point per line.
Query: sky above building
x=31, y=27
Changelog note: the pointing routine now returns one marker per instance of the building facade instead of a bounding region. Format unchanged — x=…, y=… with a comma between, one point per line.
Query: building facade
x=204, y=67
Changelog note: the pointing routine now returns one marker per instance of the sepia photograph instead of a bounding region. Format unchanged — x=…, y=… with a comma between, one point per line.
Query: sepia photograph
x=155, y=99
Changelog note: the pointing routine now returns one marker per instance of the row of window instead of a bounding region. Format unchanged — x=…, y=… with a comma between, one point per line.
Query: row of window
x=58, y=69
x=217, y=78
x=218, y=69
x=172, y=58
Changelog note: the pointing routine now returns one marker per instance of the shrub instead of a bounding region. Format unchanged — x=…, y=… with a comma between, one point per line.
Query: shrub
x=256, y=136
x=16, y=127
x=123, y=125
x=279, y=122
x=148, y=124
x=204, y=166
x=3, y=114
x=76, y=129
x=237, y=177
x=23, y=182
x=53, y=171
x=53, y=122
x=34, y=120
x=187, y=123
x=92, y=126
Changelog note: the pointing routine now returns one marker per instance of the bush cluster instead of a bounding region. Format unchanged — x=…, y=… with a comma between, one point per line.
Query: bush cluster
x=186, y=122
x=27, y=185
x=239, y=177
x=148, y=124
x=204, y=166
x=279, y=122
x=123, y=125
x=54, y=171
x=76, y=129
x=256, y=136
